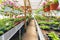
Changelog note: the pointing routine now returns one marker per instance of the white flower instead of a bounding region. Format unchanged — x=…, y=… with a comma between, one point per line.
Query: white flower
x=7, y=23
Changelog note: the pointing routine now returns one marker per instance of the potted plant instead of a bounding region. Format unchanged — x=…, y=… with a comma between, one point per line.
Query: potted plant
x=6, y=24
x=57, y=28
x=42, y=22
x=53, y=36
x=1, y=32
x=18, y=20
x=46, y=7
x=54, y=5
x=44, y=27
x=55, y=24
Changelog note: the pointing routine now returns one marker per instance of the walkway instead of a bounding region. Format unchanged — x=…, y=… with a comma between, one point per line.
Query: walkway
x=31, y=33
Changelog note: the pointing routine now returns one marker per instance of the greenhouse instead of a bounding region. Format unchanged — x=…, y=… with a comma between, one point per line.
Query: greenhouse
x=29, y=19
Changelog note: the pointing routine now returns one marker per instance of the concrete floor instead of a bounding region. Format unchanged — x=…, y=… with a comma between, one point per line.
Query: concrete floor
x=31, y=33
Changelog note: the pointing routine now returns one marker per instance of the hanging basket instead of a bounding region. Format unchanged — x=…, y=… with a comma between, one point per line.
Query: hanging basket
x=46, y=9
x=53, y=6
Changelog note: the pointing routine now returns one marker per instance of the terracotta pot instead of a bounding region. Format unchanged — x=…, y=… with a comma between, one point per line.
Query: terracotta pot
x=53, y=6
x=46, y=9
x=28, y=7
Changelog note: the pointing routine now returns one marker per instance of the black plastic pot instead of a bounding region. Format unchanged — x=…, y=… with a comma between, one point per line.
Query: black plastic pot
x=54, y=25
x=47, y=29
x=1, y=32
x=54, y=28
x=49, y=38
x=59, y=36
x=47, y=24
x=58, y=29
x=5, y=31
x=39, y=24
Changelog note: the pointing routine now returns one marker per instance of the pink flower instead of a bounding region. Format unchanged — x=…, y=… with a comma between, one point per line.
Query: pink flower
x=18, y=16
x=14, y=16
x=4, y=3
x=58, y=7
x=44, y=3
x=11, y=3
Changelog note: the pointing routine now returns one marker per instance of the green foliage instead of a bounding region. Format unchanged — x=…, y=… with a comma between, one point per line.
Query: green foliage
x=53, y=36
x=49, y=23
x=38, y=17
x=54, y=22
x=55, y=1
x=45, y=27
x=4, y=23
x=55, y=28
x=38, y=10
x=20, y=10
x=8, y=23
x=1, y=32
x=42, y=22
x=28, y=16
x=18, y=19
x=47, y=5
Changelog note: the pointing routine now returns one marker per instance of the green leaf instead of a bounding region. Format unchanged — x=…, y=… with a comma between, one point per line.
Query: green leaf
x=55, y=1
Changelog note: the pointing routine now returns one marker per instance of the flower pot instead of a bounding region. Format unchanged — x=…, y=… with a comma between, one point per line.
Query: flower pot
x=1, y=32
x=58, y=29
x=49, y=38
x=46, y=9
x=53, y=6
x=59, y=36
x=46, y=29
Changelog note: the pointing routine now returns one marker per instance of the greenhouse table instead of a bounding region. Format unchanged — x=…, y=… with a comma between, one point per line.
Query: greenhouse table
x=41, y=37
x=11, y=32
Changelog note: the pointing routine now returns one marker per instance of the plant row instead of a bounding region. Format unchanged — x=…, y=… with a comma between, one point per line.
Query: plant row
x=50, y=26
